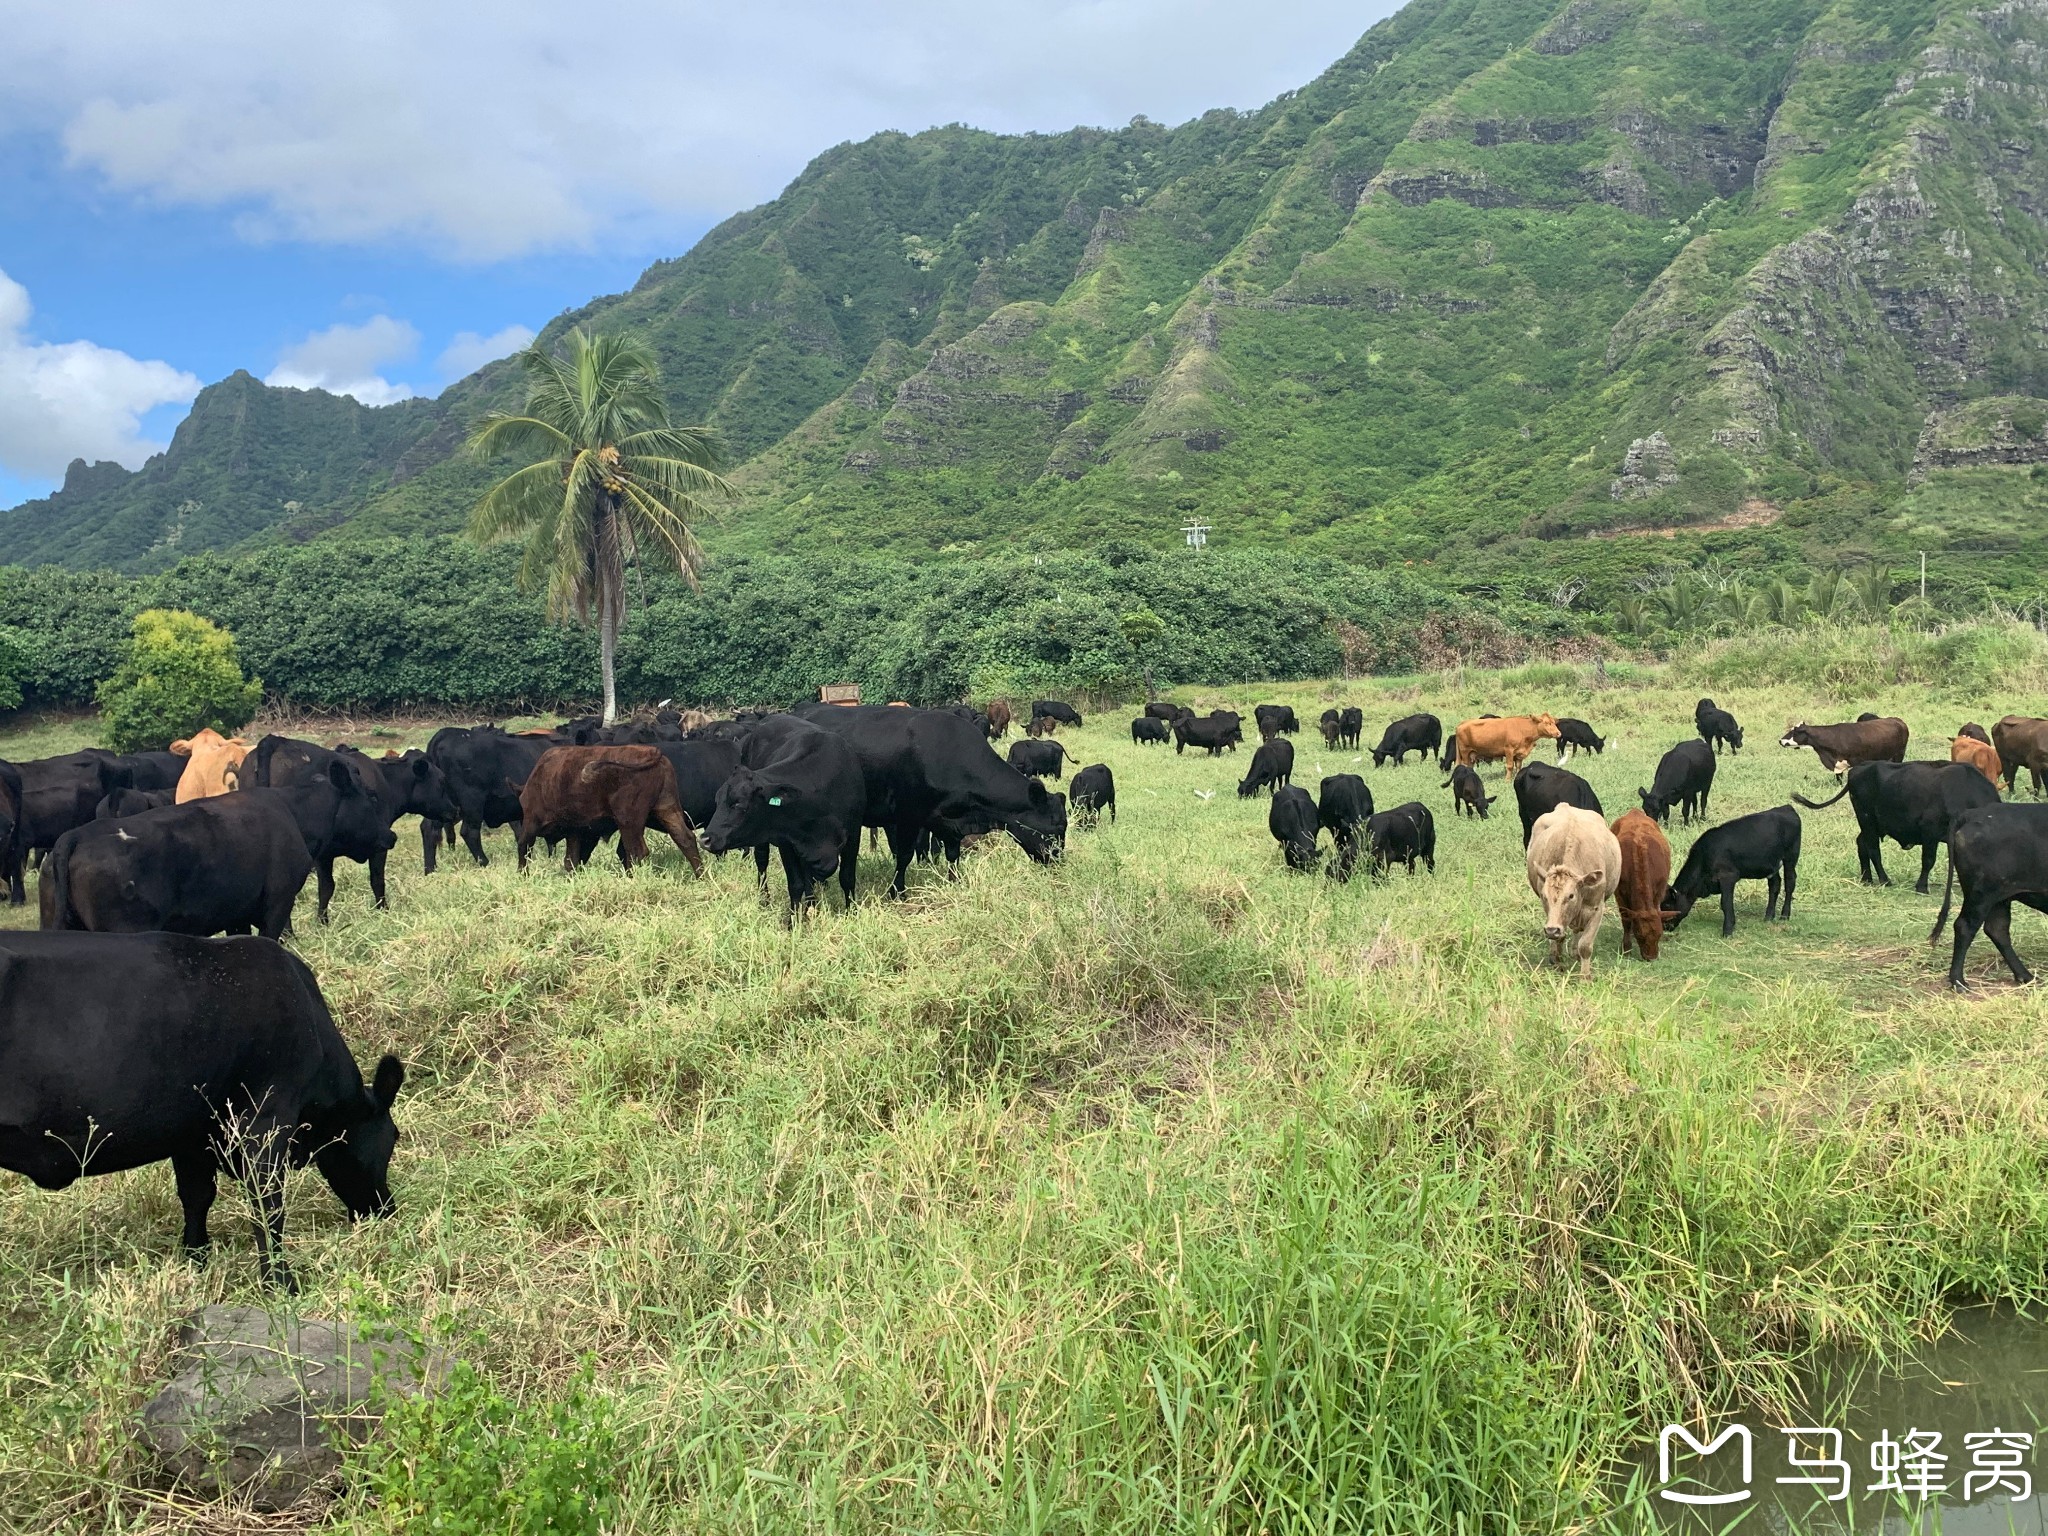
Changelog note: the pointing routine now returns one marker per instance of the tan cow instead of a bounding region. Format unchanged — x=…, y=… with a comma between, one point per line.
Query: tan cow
x=213, y=765
x=1508, y=739
x=1980, y=755
x=1574, y=866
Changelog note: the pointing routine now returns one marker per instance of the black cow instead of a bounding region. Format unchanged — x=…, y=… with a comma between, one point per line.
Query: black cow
x=1468, y=794
x=1913, y=804
x=1717, y=727
x=1053, y=709
x=1274, y=720
x=1761, y=846
x=1040, y=759
x=928, y=771
x=1541, y=788
x=1292, y=821
x=223, y=864
x=59, y=793
x=800, y=790
x=1684, y=776
x=1272, y=766
x=1332, y=727
x=1231, y=724
x=1158, y=709
x=1577, y=736
x=1975, y=732
x=133, y=802
x=1351, y=725
x=1413, y=733
x=1149, y=728
x=1188, y=730
x=701, y=765
x=485, y=769
x=1402, y=835
x=406, y=784
x=117, y=1051
x=1344, y=807
x=2000, y=853
x=1092, y=792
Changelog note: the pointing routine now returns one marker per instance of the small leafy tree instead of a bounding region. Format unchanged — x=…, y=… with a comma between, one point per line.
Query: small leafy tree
x=1143, y=629
x=17, y=666
x=180, y=675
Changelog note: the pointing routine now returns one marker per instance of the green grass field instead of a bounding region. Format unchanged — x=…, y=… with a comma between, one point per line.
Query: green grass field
x=1164, y=1189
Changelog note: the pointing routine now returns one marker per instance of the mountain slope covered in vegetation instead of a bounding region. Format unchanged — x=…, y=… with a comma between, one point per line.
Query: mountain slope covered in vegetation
x=1509, y=285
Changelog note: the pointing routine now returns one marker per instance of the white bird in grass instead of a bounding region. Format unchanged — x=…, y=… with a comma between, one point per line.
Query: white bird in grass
x=1205, y=794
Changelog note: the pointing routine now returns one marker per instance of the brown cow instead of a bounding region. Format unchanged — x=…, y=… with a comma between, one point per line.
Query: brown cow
x=1645, y=876
x=1980, y=755
x=1574, y=866
x=2022, y=742
x=584, y=794
x=1868, y=739
x=998, y=719
x=213, y=764
x=1508, y=739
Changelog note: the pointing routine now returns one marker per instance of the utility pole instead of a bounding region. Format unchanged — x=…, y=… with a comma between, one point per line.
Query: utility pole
x=1923, y=575
x=1197, y=534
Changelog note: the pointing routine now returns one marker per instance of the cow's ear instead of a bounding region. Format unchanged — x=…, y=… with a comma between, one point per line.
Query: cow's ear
x=1036, y=793
x=419, y=767
x=182, y=748
x=390, y=1078
x=338, y=774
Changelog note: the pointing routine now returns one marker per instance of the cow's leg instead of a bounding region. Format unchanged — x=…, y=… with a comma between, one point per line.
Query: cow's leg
x=849, y=864
x=1870, y=856
x=677, y=825
x=1791, y=885
x=1728, y=906
x=1967, y=923
x=1998, y=928
x=902, y=847
x=264, y=1176
x=1773, y=882
x=1586, y=938
x=523, y=841
x=195, y=1171
x=473, y=839
x=274, y=916
x=377, y=879
x=17, y=893
x=1928, y=851
x=324, y=872
x=761, y=867
x=430, y=843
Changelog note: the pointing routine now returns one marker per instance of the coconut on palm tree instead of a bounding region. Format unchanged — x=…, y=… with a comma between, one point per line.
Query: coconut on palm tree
x=608, y=478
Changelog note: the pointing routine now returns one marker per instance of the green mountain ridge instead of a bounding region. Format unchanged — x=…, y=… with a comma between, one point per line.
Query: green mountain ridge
x=1507, y=281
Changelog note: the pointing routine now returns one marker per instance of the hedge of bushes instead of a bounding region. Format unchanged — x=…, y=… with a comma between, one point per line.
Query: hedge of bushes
x=438, y=622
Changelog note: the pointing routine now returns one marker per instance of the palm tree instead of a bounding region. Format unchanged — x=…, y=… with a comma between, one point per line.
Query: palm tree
x=608, y=477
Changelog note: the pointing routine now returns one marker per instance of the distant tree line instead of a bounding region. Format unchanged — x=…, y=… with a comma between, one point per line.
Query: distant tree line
x=438, y=622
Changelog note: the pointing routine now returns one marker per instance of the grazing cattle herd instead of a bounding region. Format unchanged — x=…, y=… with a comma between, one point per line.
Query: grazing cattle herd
x=128, y=1035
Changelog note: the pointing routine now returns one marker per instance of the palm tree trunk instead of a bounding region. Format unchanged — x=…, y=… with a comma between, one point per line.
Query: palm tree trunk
x=611, y=600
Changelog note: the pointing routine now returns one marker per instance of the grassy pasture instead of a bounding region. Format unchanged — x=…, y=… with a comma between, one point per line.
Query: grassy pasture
x=1162, y=1190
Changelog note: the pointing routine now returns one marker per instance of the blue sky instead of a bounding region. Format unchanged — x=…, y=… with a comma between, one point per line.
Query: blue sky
x=378, y=198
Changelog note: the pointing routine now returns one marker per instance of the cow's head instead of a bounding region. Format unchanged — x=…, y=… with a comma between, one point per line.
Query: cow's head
x=743, y=812
x=1796, y=735
x=1041, y=829
x=1546, y=724
x=1570, y=897
x=357, y=1164
x=1734, y=735
x=361, y=822
x=1675, y=906
x=1655, y=806
x=423, y=785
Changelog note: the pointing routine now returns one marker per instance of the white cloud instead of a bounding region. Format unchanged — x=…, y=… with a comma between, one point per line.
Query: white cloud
x=469, y=351
x=485, y=128
x=350, y=360
x=68, y=400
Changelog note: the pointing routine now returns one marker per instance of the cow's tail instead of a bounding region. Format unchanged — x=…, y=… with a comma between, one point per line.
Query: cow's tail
x=56, y=875
x=1948, y=887
x=1821, y=805
x=1068, y=755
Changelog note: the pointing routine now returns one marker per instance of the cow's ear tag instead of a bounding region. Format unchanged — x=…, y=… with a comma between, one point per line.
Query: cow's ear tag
x=775, y=799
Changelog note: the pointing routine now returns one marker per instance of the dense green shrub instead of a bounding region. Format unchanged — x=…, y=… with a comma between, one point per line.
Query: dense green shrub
x=468, y=1462
x=1849, y=660
x=180, y=675
x=17, y=666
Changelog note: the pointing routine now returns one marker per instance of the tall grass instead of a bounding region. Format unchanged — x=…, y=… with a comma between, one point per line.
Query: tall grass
x=1842, y=660
x=1161, y=1190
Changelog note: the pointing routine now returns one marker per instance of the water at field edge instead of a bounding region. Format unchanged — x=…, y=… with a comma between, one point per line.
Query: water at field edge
x=1989, y=1374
